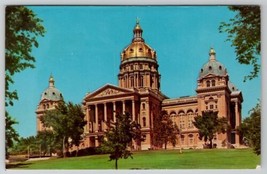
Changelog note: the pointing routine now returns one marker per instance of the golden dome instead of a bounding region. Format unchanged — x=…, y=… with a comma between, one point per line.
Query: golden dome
x=138, y=48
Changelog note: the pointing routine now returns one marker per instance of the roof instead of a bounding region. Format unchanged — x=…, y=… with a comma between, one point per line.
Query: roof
x=52, y=93
x=212, y=66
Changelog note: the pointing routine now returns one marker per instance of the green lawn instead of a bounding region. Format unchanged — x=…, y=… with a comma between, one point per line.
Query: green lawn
x=162, y=159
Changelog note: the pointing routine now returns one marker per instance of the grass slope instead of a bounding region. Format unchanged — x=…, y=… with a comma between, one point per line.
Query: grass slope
x=162, y=159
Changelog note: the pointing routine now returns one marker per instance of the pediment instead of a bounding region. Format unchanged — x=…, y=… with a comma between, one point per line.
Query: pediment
x=107, y=91
x=209, y=76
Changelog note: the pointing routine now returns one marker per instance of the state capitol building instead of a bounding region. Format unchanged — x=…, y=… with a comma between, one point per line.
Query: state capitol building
x=138, y=93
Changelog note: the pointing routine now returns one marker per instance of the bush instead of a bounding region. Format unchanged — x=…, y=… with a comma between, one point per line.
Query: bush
x=86, y=152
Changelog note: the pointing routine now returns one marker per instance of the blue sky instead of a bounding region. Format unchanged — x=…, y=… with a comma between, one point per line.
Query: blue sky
x=82, y=47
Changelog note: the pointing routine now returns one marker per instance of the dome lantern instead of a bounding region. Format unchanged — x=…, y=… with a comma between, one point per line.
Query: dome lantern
x=51, y=81
x=212, y=54
x=137, y=32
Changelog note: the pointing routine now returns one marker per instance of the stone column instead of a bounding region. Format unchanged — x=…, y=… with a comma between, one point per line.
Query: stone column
x=114, y=111
x=96, y=118
x=96, y=141
x=88, y=118
x=237, y=123
x=123, y=107
x=105, y=112
x=105, y=116
x=133, y=110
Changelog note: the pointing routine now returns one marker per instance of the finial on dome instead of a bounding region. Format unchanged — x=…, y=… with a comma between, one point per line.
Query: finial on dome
x=137, y=20
x=51, y=81
x=212, y=54
x=137, y=31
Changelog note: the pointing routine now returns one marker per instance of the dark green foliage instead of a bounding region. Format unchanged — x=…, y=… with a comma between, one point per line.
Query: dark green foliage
x=119, y=137
x=209, y=124
x=46, y=139
x=22, y=30
x=43, y=144
x=164, y=130
x=10, y=133
x=250, y=129
x=27, y=146
x=86, y=151
x=67, y=121
x=244, y=31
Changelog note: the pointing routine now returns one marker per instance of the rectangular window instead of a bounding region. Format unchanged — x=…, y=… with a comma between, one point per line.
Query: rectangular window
x=211, y=106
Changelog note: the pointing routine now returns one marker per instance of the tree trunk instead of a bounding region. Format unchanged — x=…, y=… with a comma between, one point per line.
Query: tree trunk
x=116, y=164
x=77, y=151
x=63, y=148
x=210, y=143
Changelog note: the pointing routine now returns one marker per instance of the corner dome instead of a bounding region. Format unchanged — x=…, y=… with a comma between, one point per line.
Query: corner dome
x=52, y=93
x=212, y=66
x=232, y=87
x=138, y=48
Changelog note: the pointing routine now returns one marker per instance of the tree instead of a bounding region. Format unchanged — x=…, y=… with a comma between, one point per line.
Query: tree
x=11, y=134
x=119, y=137
x=244, y=31
x=209, y=124
x=164, y=130
x=67, y=122
x=22, y=30
x=250, y=129
x=46, y=139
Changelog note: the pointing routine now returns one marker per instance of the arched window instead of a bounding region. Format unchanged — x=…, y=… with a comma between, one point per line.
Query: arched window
x=132, y=81
x=144, y=121
x=213, y=83
x=208, y=83
x=141, y=81
x=189, y=112
x=181, y=112
x=144, y=106
x=173, y=114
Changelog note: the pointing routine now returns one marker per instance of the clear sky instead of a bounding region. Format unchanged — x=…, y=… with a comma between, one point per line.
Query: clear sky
x=82, y=47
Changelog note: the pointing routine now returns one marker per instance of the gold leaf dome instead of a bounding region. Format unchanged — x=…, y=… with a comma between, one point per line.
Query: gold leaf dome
x=138, y=48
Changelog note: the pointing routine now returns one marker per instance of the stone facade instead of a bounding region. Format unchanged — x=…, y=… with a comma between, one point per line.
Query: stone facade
x=138, y=93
